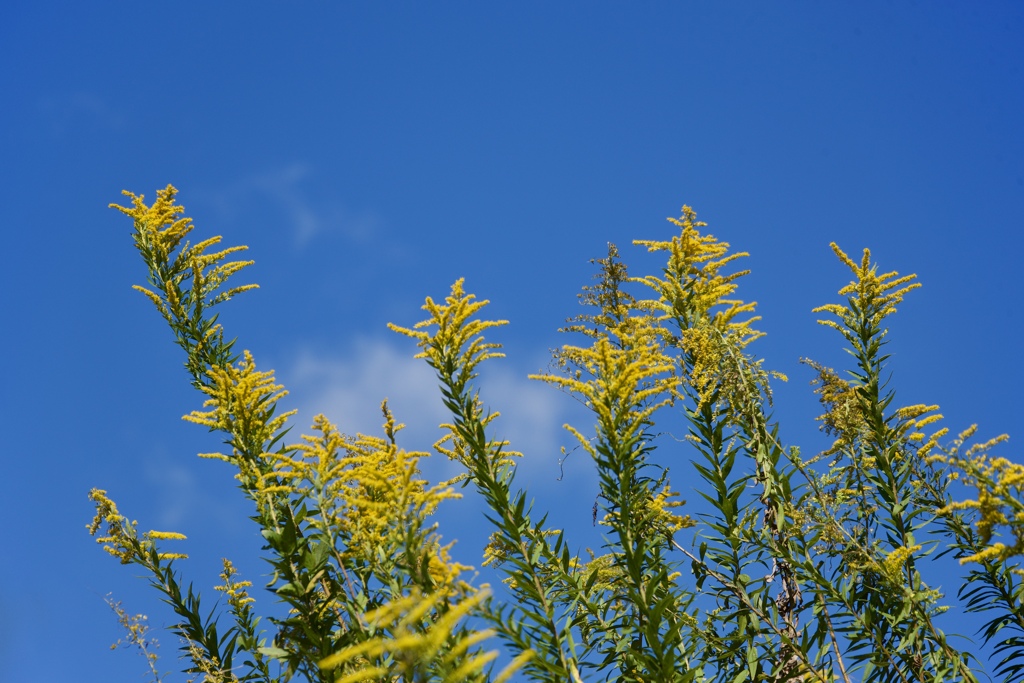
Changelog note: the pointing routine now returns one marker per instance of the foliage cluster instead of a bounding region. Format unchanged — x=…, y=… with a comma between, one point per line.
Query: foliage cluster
x=801, y=569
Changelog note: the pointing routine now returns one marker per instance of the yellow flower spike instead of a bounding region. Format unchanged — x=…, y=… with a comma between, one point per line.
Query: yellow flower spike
x=199, y=248
x=159, y=230
x=215, y=456
x=443, y=569
x=454, y=336
x=172, y=556
x=465, y=644
x=105, y=509
x=241, y=398
x=163, y=212
x=157, y=301
x=932, y=442
x=519, y=662
x=584, y=441
x=914, y=411
x=235, y=591
x=367, y=487
x=928, y=420
x=276, y=489
x=223, y=271
x=986, y=446
x=471, y=668
x=846, y=259
x=1000, y=494
x=662, y=518
x=966, y=434
x=697, y=295
x=625, y=386
x=121, y=536
x=893, y=564
x=873, y=297
x=374, y=673
x=694, y=283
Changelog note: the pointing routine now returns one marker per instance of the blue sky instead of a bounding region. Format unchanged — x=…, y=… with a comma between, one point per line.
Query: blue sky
x=371, y=153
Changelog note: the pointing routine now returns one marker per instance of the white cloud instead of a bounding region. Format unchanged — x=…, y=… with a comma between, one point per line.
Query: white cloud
x=284, y=191
x=79, y=110
x=349, y=389
x=181, y=496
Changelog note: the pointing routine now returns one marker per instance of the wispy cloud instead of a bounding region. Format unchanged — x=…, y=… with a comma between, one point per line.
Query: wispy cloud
x=181, y=497
x=285, y=191
x=69, y=111
x=348, y=390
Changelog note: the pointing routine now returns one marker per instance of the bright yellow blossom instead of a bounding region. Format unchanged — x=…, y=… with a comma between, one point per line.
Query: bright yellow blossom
x=894, y=562
x=871, y=298
x=694, y=286
x=234, y=589
x=458, y=340
x=418, y=633
x=242, y=401
x=165, y=535
x=697, y=296
x=122, y=536
x=1000, y=495
x=159, y=231
x=629, y=385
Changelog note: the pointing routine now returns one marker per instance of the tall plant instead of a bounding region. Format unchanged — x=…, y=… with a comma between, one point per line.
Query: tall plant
x=799, y=569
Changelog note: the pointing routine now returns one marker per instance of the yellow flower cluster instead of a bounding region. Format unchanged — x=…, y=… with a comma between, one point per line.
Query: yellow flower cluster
x=365, y=487
x=150, y=536
x=1000, y=501
x=418, y=631
x=499, y=548
x=210, y=667
x=455, y=347
x=453, y=447
x=872, y=297
x=696, y=293
x=894, y=562
x=318, y=465
x=458, y=341
x=660, y=510
x=632, y=368
x=709, y=355
x=122, y=536
x=629, y=384
x=694, y=286
x=242, y=399
x=162, y=223
x=238, y=597
x=159, y=230
x=655, y=514
x=915, y=418
x=844, y=416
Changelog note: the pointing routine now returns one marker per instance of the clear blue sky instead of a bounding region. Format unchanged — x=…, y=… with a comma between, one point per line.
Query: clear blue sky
x=372, y=153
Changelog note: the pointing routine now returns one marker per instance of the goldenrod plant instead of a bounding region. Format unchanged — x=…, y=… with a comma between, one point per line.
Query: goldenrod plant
x=793, y=569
